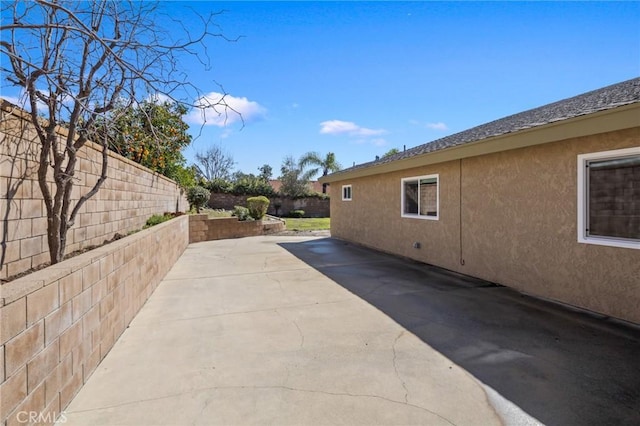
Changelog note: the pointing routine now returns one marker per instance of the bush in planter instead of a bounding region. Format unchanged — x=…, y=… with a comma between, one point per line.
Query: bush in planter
x=198, y=197
x=258, y=206
x=242, y=213
x=157, y=219
x=296, y=213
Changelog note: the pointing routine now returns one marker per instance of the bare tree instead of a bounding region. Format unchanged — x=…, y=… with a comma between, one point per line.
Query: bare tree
x=74, y=62
x=214, y=163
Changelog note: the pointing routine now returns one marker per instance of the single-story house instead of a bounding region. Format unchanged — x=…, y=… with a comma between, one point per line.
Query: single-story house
x=546, y=201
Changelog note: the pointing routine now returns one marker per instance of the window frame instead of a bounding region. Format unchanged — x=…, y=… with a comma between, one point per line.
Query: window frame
x=402, y=197
x=350, y=188
x=583, y=199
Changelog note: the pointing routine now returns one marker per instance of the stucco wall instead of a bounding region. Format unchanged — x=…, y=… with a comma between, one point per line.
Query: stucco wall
x=57, y=324
x=129, y=196
x=509, y=218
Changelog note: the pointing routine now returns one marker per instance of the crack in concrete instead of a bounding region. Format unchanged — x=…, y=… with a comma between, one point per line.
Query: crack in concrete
x=270, y=309
x=208, y=277
x=395, y=367
x=288, y=388
x=267, y=275
x=204, y=407
x=300, y=332
x=296, y=325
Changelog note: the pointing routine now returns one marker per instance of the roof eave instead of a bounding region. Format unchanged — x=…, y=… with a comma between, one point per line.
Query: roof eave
x=619, y=118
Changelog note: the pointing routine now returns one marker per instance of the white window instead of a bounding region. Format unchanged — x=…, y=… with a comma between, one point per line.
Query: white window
x=609, y=198
x=346, y=192
x=420, y=197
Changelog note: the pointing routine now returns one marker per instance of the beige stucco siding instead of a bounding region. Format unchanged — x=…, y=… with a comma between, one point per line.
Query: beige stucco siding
x=516, y=226
x=373, y=218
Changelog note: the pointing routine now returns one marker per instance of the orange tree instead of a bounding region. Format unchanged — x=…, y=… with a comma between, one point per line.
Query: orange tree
x=152, y=134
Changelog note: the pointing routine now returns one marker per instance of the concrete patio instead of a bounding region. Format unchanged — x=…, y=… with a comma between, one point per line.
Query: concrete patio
x=307, y=330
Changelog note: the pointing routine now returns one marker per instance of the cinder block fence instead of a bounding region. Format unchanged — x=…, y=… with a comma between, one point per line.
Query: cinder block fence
x=203, y=228
x=129, y=196
x=57, y=324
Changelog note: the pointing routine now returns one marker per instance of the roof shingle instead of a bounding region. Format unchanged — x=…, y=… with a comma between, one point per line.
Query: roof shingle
x=609, y=97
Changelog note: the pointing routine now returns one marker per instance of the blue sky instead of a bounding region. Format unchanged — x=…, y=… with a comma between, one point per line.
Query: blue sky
x=360, y=78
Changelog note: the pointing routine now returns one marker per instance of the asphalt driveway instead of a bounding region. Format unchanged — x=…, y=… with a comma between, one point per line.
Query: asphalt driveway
x=306, y=330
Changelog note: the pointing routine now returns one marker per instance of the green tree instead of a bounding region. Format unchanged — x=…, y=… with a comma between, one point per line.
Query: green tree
x=392, y=151
x=150, y=133
x=265, y=172
x=183, y=175
x=198, y=197
x=294, y=179
x=327, y=165
x=250, y=184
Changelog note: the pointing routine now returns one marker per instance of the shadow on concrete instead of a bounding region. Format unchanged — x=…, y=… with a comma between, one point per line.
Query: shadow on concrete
x=560, y=366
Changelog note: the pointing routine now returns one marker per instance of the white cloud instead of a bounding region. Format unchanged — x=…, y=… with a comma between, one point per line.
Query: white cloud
x=339, y=127
x=437, y=126
x=211, y=110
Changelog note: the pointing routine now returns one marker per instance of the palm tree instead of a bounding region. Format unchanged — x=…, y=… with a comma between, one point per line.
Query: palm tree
x=327, y=164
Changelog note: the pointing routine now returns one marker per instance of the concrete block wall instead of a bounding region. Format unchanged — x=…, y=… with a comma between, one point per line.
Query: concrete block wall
x=129, y=196
x=57, y=324
x=203, y=228
x=312, y=206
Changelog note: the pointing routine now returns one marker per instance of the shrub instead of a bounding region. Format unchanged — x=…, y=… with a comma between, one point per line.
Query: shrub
x=258, y=206
x=198, y=197
x=296, y=213
x=173, y=214
x=219, y=185
x=242, y=213
x=157, y=219
x=241, y=185
x=251, y=185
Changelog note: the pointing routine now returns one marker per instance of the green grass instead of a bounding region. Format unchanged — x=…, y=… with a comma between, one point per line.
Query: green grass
x=308, y=224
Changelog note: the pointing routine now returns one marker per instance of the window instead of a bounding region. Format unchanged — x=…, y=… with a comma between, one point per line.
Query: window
x=420, y=197
x=609, y=198
x=346, y=192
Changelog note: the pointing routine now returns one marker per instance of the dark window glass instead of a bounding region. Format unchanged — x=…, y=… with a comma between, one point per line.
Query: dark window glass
x=614, y=198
